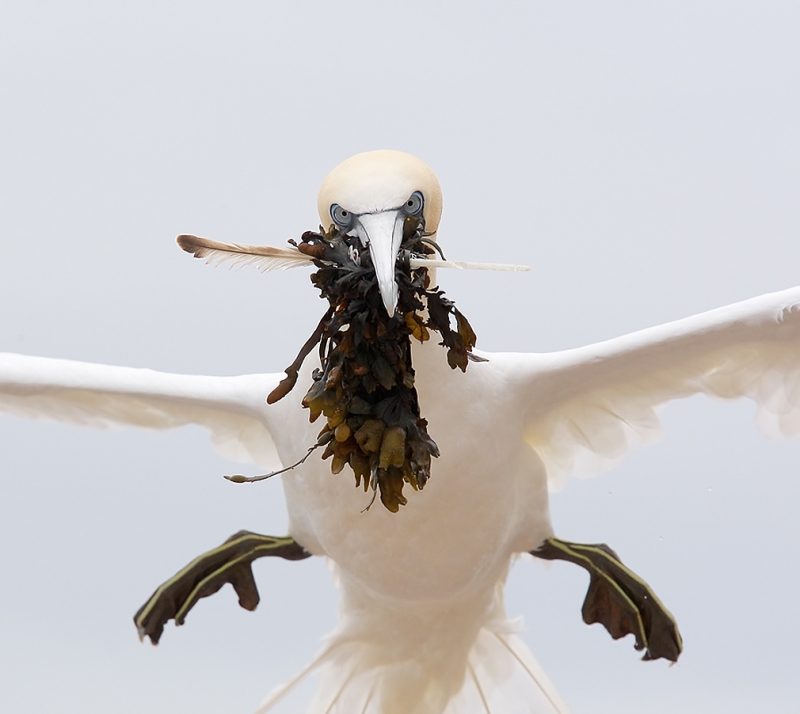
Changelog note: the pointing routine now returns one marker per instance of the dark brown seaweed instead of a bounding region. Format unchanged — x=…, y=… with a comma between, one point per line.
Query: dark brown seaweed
x=365, y=384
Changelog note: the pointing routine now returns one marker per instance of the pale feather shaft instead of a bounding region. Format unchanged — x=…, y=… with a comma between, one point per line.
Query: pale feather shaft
x=459, y=265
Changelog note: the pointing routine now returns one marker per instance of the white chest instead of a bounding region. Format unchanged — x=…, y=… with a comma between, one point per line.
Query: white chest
x=486, y=498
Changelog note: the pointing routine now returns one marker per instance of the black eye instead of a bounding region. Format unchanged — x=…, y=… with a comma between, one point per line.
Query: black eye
x=414, y=204
x=341, y=217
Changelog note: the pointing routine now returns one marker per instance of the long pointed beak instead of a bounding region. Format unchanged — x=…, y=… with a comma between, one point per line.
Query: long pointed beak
x=383, y=233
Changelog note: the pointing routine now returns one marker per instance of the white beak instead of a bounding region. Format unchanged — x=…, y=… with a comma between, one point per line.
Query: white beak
x=383, y=233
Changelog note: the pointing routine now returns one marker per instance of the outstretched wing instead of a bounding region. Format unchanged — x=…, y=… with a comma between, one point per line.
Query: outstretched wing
x=232, y=408
x=584, y=408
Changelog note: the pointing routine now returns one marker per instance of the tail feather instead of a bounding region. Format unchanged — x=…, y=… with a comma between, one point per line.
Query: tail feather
x=505, y=678
x=368, y=698
x=450, y=665
x=283, y=690
x=477, y=683
x=532, y=671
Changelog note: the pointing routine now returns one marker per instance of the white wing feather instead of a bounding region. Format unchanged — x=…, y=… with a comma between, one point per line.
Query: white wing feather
x=585, y=408
x=232, y=408
x=263, y=257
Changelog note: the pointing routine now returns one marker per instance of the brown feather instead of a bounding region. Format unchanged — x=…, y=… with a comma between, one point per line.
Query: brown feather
x=262, y=256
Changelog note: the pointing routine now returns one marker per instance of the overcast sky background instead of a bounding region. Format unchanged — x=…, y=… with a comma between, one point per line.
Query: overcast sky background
x=642, y=158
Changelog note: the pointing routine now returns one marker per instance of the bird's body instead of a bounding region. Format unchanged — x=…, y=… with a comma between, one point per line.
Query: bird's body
x=486, y=500
x=430, y=576
x=423, y=629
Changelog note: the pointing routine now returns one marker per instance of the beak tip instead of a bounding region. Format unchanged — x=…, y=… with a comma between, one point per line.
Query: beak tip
x=390, y=306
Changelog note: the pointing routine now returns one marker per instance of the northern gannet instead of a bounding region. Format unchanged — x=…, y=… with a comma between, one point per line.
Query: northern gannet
x=422, y=622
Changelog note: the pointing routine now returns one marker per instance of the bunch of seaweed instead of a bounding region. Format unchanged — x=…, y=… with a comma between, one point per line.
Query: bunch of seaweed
x=364, y=386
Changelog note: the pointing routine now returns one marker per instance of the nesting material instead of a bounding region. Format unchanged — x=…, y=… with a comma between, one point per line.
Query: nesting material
x=365, y=384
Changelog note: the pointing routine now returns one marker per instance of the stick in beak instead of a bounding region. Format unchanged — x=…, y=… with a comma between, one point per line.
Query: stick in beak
x=383, y=233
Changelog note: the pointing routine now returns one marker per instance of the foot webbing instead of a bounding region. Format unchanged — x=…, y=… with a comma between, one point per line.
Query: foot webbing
x=205, y=575
x=619, y=599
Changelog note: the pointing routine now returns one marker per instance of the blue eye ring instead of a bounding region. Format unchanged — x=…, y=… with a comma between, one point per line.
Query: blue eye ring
x=415, y=204
x=341, y=217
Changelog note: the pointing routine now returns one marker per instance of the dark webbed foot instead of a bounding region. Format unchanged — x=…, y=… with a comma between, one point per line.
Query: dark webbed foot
x=205, y=575
x=619, y=599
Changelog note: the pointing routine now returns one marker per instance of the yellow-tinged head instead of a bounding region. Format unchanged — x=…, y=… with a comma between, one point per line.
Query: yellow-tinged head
x=377, y=181
x=370, y=195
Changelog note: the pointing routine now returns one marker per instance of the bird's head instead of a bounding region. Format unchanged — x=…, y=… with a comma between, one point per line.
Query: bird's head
x=370, y=195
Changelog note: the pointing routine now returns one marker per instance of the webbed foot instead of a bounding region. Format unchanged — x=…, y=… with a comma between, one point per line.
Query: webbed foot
x=205, y=575
x=619, y=599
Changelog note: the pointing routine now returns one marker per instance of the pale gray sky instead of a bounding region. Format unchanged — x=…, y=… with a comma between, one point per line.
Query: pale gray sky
x=643, y=158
